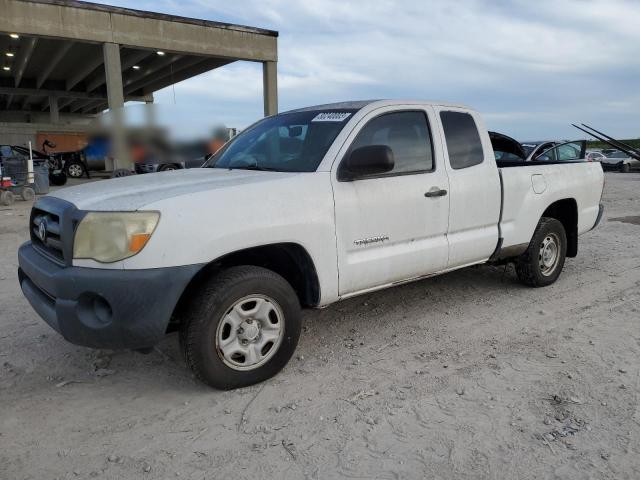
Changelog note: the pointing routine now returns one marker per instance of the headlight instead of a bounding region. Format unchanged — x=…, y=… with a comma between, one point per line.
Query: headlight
x=111, y=236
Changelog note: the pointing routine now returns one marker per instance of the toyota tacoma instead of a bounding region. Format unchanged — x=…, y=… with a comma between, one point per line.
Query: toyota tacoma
x=302, y=209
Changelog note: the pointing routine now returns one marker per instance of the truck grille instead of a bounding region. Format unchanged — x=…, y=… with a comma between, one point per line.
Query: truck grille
x=52, y=226
x=46, y=234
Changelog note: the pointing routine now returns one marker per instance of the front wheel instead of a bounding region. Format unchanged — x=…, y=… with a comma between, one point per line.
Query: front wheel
x=75, y=169
x=541, y=264
x=57, y=179
x=241, y=328
x=625, y=167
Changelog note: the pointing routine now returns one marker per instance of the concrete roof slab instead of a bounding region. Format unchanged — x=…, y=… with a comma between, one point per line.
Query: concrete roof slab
x=60, y=50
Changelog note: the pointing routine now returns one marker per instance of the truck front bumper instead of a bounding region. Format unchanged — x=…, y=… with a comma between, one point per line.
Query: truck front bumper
x=102, y=308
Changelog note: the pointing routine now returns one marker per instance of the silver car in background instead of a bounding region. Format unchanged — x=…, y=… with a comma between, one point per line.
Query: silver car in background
x=555, y=151
x=618, y=160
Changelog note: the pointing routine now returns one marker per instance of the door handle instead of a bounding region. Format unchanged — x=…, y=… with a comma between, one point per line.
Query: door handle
x=436, y=192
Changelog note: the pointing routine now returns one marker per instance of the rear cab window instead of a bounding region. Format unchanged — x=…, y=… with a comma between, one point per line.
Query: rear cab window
x=462, y=138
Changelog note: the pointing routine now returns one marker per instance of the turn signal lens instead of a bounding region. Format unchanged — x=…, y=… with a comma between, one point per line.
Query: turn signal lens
x=138, y=241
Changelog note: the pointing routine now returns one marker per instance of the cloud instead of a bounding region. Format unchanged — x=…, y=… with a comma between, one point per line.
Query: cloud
x=531, y=67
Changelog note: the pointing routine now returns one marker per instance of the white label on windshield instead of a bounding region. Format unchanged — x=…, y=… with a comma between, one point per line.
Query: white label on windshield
x=331, y=117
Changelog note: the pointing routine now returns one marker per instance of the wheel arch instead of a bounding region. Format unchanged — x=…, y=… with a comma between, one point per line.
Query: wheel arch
x=289, y=260
x=566, y=212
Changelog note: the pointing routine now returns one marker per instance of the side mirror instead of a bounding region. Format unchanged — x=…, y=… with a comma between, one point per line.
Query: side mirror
x=543, y=158
x=368, y=160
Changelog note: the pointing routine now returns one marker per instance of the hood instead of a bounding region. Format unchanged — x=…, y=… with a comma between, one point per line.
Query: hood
x=136, y=191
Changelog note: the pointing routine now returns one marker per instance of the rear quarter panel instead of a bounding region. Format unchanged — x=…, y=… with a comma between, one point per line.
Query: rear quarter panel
x=523, y=205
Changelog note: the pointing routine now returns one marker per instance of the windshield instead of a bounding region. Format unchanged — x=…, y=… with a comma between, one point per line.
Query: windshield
x=617, y=154
x=290, y=142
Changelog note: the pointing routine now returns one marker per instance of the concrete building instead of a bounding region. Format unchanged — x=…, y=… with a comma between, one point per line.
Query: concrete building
x=63, y=61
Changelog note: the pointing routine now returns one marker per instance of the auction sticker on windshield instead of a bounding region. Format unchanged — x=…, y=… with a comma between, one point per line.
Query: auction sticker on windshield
x=331, y=117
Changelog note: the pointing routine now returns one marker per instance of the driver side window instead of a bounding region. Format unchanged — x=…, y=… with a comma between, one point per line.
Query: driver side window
x=406, y=134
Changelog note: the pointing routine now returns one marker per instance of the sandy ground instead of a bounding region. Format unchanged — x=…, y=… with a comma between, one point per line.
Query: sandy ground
x=468, y=375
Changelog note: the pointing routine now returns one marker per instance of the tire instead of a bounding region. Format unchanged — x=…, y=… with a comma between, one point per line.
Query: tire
x=625, y=168
x=7, y=198
x=75, y=169
x=28, y=194
x=57, y=179
x=168, y=167
x=214, y=321
x=535, y=267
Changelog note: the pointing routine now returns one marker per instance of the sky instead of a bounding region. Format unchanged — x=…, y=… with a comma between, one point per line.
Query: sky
x=530, y=67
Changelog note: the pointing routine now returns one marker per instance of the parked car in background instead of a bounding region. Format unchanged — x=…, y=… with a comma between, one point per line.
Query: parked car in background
x=155, y=154
x=151, y=166
x=618, y=160
x=533, y=149
x=555, y=151
x=563, y=152
x=506, y=149
x=91, y=158
x=191, y=154
x=595, y=156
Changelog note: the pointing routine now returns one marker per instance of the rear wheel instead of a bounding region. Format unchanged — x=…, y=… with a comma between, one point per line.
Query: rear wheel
x=241, y=328
x=541, y=264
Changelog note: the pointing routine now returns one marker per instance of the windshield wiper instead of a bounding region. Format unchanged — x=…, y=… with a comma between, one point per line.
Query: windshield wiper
x=255, y=167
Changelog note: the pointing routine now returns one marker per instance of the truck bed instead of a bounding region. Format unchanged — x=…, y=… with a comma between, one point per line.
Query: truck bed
x=529, y=189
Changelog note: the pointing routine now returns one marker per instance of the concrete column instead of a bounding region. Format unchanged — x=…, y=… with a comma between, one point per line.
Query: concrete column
x=270, y=87
x=54, y=111
x=149, y=110
x=115, y=99
x=113, y=74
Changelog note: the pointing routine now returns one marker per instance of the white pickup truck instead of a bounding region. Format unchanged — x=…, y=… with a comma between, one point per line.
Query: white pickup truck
x=302, y=209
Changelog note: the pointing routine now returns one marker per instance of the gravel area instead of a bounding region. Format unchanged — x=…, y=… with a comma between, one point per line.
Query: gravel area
x=466, y=375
